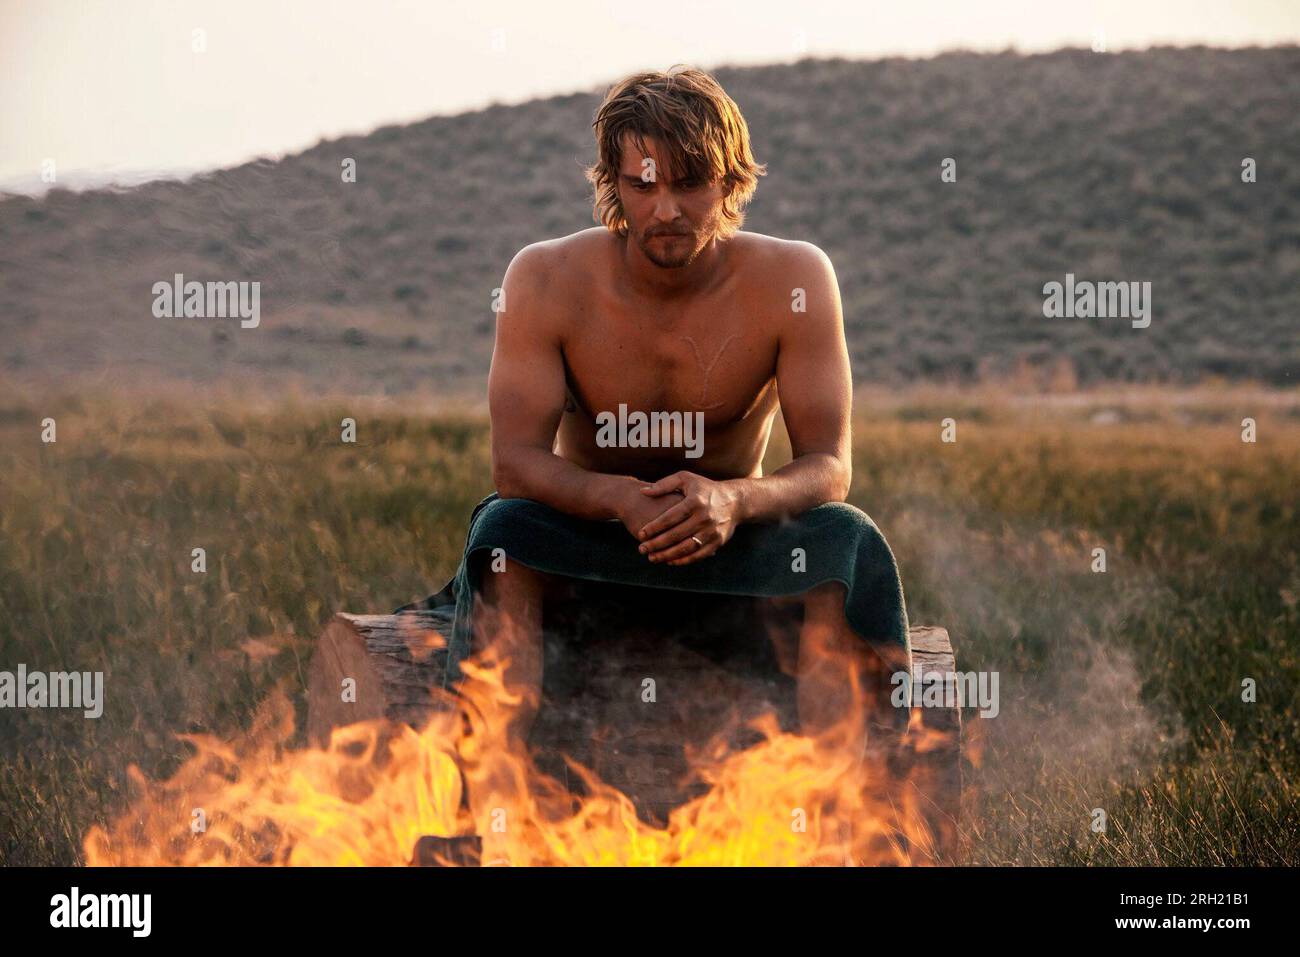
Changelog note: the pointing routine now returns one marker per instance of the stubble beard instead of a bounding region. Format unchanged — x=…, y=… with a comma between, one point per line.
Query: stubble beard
x=675, y=254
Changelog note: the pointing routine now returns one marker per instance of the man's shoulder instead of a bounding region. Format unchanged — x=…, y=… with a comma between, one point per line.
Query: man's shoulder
x=570, y=263
x=755, y=250
x=547, y=256
x=771, y=259
x=550, y=279
x=769, y=263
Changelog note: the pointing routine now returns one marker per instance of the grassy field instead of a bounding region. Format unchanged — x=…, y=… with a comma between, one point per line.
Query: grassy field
x=1120, y=691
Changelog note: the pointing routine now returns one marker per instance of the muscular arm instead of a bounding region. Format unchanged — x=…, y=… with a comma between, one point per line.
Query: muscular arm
x=526, y=392
x=816, y=392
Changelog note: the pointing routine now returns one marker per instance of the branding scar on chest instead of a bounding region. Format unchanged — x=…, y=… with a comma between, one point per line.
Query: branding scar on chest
x=703, y=401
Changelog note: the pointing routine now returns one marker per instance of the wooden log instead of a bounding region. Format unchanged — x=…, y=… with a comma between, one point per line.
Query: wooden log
x=393, y=660
x=935, y=770
x=598, y=718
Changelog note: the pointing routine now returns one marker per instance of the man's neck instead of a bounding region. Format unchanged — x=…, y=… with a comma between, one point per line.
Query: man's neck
x=651, y=281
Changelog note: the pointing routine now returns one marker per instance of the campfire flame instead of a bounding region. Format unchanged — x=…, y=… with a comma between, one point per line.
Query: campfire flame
x=378, y=787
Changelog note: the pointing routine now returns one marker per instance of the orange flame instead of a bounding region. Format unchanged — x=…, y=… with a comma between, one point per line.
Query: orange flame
x=378, y=787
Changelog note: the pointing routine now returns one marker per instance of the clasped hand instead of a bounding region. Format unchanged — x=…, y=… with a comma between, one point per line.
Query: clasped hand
x=684, y=518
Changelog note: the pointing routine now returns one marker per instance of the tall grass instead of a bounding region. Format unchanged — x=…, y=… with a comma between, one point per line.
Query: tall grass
x=1120, y=691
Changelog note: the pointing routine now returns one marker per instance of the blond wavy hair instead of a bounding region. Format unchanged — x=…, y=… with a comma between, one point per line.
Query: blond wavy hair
x=687, y=111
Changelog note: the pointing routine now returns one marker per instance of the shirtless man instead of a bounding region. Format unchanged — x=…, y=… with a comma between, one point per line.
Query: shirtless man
x=669, y=307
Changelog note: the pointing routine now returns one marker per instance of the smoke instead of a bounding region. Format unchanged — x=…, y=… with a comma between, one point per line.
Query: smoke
x=1022, y=600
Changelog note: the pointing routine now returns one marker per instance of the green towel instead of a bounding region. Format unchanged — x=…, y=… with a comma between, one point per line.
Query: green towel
x=839, y=543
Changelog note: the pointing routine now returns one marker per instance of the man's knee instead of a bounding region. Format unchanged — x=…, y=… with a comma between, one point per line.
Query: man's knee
x=841, y=514
x=848, y=526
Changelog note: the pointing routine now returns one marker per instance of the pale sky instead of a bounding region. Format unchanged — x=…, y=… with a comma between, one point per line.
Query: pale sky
x=115, y=85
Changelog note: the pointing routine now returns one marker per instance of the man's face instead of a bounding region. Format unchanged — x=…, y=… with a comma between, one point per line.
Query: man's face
x=671, y=222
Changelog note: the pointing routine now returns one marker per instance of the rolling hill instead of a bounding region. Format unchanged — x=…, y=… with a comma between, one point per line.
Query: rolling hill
x=1117, y=167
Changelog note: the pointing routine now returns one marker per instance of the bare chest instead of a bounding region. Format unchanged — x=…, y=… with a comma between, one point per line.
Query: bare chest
x=715, y=358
